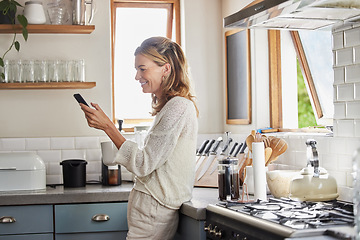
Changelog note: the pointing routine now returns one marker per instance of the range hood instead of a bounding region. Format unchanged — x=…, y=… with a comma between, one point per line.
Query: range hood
x=296, y=14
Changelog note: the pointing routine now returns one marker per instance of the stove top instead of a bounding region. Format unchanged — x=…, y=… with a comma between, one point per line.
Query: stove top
x=297, y=215
x=290, y=218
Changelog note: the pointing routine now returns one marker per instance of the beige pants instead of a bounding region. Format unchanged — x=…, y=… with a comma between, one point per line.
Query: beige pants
x=147, y=219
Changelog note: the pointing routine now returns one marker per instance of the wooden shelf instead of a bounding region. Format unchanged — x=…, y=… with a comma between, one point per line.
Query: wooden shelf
x=44, y=29
x=48, y=85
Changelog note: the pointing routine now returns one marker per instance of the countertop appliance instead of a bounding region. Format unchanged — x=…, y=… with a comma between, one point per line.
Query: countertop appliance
x=295, y=14
x=279, y=219
x=21, y=171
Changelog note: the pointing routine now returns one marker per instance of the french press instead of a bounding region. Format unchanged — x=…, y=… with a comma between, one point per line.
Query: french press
x=228, y=179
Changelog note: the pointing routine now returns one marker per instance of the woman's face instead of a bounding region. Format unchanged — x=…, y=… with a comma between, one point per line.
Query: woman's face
x=149, y=74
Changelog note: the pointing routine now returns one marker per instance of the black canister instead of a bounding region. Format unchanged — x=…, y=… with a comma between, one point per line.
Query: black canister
x=74, y=172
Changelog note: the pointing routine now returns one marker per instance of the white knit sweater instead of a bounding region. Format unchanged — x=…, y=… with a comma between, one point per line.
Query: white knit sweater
x=165, y=167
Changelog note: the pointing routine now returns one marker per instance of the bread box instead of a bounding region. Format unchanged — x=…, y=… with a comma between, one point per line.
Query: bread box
x=21, y=171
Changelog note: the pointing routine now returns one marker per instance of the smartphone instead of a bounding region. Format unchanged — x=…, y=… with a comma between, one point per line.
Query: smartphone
x=80, y=99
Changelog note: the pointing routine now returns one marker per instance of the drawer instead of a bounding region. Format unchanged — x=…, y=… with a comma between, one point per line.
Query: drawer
x=46, y=236
x=80, y=217
x=28, y=219
x=92, y=236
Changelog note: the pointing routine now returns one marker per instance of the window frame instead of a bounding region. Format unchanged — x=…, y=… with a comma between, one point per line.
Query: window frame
x=173, y=8
x=275, y=88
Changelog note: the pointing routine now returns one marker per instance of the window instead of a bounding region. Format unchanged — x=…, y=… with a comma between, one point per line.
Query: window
x=133, y=22
x=314, y=53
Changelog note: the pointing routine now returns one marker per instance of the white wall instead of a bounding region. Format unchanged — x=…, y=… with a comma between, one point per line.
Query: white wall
x=34, y=113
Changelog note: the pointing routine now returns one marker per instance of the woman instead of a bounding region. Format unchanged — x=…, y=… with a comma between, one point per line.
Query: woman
x=164, y=167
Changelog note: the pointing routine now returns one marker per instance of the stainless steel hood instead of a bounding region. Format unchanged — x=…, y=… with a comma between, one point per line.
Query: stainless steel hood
x=296, y=14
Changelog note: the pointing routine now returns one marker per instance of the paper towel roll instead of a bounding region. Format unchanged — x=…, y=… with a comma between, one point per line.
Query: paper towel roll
x=258, y=151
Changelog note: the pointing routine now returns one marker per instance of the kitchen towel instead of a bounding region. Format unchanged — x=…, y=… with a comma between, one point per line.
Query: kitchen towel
x=258, y=150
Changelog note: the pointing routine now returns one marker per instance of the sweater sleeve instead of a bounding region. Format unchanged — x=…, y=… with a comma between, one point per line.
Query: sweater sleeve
x=160, y=142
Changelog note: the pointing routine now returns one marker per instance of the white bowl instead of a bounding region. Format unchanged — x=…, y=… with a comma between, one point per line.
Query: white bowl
x=279, y=181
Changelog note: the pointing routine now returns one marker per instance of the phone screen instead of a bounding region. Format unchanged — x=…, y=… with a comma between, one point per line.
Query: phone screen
x=80, y=99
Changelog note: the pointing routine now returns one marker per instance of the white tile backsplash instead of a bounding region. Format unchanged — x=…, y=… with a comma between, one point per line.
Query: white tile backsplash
x=37, y=143
x=357, y=128
x=352, y=73
x=345, y=92
x=351, y=37
x=357, y=54
x=357, y=91
x=338, y=40
x=87, y=142
x=62, y=143
x=345, y=128
x=339, y=75
x=73, y=154
x=12, y=144
x=344, y=57
x=339, y=110
x=353, y=110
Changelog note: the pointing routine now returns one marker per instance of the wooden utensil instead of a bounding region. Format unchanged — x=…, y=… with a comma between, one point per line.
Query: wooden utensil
x=278, y=146
x=268, y=152
x=266, y=141
x=250, y=139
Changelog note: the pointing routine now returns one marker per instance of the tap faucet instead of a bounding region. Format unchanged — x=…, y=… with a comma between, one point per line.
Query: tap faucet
x=312, y=156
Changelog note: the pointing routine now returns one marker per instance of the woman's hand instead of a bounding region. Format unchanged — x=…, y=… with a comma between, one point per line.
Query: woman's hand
x=96, y=118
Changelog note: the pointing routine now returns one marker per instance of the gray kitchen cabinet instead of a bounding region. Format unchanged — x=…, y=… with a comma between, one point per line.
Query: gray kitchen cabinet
x=190, y=228
x=26, y=222
x=105, y=221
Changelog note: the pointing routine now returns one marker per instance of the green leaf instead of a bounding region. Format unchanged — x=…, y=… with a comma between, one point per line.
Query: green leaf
x=2, y=75
x=17, y=45
x=17, y=4
x=22, y=20
x=25, y=33
x=1, y=62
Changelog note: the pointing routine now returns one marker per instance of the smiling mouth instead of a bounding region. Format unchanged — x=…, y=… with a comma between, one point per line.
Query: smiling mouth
x=143, y=83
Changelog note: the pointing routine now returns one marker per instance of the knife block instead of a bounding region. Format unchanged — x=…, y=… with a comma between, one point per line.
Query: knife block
x=209, y=179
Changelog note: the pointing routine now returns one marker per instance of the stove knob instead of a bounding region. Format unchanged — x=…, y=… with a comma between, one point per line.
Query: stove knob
x=207, y=228
x=218, y=234
x=213, y=231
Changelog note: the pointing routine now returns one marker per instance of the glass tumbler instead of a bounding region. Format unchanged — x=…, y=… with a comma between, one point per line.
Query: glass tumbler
x=28, y=71
x=18, y=71
x=80, y=70
x=41, y=71
x=70, y=71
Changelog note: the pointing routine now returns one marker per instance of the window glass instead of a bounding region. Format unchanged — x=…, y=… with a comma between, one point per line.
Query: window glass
x=317, y=47
x=133, y=25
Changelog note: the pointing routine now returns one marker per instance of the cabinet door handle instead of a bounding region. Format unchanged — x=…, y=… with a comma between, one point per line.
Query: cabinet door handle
x=6, y=219
x=100, y=218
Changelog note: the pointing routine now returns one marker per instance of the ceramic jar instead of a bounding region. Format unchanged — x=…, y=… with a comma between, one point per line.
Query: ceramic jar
x=34, y=12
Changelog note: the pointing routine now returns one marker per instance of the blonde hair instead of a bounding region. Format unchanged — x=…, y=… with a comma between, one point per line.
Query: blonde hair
x=162, y=50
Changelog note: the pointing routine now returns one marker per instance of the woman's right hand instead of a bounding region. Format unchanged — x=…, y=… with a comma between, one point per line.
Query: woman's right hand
x=96, y=118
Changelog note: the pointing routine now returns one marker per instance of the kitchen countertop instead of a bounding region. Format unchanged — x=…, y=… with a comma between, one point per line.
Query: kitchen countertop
x=96, y=193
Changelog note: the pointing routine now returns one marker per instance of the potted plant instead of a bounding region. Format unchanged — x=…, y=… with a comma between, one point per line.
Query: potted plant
x=8, y=10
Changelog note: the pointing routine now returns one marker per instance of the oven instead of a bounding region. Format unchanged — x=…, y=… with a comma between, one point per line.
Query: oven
x=279, y=219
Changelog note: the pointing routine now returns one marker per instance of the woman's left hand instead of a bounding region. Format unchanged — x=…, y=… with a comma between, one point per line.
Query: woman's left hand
x=96, y=118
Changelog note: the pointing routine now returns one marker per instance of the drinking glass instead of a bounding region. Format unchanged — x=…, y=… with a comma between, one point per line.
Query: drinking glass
x=41, y=71
x=70, y=71
x=18, y=71
x=80, y=70
x=27, y=71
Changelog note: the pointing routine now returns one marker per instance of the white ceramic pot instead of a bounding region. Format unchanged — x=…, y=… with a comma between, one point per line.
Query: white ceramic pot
x=34, y=12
